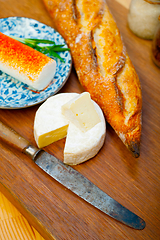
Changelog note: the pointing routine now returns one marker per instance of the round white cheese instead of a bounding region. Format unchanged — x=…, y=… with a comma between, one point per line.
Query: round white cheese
x=51, y=125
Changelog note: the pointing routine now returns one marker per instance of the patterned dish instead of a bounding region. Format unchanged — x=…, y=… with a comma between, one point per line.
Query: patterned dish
x=15, y=94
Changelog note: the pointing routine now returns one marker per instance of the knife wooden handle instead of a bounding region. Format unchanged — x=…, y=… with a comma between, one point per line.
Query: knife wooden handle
x=12, y=138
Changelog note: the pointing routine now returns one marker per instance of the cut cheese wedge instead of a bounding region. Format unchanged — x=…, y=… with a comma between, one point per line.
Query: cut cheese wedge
x=50, y=125
x=81, y=112
x=25, y=63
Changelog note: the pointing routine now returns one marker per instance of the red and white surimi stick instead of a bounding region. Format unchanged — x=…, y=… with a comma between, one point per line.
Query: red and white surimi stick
x=25, y=63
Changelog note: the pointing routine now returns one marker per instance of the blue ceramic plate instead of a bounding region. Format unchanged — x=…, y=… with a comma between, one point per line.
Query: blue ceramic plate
x=15, y=94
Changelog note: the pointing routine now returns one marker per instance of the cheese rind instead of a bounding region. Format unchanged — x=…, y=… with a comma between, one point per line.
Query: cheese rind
x=51, y=125
x=25, y=63
x=81, y=112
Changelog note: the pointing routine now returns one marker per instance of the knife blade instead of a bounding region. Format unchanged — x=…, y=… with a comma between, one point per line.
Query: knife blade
x=72, y=179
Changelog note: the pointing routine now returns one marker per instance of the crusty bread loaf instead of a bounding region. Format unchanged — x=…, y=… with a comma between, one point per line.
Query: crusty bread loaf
x=102, y=64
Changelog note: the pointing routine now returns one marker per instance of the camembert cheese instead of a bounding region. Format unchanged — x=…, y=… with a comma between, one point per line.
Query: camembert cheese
x=51, y=125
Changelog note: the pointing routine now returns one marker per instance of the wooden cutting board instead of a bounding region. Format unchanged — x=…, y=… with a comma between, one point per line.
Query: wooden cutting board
x=52, y=209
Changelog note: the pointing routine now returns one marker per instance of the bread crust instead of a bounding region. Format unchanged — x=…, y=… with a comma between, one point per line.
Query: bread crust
x=102, y=63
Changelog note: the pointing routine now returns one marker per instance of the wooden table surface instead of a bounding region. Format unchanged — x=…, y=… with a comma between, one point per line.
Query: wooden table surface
x=135, y=183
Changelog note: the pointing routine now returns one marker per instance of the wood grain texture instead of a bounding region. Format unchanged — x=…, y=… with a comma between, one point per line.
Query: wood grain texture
x=133, y=182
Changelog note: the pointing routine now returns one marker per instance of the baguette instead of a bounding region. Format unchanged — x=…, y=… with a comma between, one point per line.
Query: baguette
x=102, y=63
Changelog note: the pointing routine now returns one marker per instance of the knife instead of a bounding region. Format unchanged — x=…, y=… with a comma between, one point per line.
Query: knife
x=72, y=179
